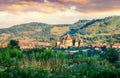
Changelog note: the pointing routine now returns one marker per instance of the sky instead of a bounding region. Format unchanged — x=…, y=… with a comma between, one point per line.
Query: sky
x=13, y=12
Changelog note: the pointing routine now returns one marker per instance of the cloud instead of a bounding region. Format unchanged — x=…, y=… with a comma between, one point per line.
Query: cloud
x=29, y=5
x=80, y=2
x=50, y=6
x=55, y=11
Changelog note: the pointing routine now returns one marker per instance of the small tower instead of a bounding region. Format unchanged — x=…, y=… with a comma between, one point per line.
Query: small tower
x=81, y=42
x=77, y=42
x=68, y=41
x=58, y=41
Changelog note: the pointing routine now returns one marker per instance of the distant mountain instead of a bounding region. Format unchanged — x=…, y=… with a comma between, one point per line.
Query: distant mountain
x=91, y=31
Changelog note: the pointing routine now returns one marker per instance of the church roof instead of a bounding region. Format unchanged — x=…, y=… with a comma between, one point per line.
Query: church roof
x=68, y=37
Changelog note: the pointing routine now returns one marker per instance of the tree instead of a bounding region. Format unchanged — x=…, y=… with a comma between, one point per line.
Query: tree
x=14, y=44
x=112, y=55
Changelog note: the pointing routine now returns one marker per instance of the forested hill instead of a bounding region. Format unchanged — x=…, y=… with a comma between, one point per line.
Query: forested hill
x=100, y=30
x=91, y=31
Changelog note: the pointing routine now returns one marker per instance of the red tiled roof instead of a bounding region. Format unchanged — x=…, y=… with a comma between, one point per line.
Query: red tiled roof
x=98, y=45
x=25, y=44
x=116, y=44
x=68, y=37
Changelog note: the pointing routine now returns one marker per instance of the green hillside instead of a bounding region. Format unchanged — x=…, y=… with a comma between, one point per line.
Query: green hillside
x=92, y=31
x=31, y=30
x=36, y=31
x=101, y=30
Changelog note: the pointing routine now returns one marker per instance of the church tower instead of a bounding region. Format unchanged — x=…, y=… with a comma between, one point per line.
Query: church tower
x=68, y=41
x=77, y=42
x=81, y=43
x=58, y=41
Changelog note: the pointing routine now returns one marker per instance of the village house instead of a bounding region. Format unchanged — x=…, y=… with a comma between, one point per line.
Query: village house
x=116, y=45
x=99, y=45
x=3, y=45
x=42, y=44
x=28, y=44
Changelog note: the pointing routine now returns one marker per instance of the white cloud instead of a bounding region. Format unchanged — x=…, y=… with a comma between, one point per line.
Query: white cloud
x=67, y=16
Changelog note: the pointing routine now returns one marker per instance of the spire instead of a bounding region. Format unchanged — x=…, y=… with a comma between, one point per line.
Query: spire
x=58, y=39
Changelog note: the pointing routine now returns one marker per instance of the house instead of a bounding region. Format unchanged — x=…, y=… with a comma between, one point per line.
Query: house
x=62, y=45
x=42, y=44
x=116, y=45
x=29, y=44
x=3, y=45
x=99, y=45
x=26, y=44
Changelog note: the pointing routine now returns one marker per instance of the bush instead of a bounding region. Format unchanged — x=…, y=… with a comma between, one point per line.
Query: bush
x=62, y=54
x=15, y=53
x=112, y=55
x=14, y=44
x=47, y=54
x=57, y=65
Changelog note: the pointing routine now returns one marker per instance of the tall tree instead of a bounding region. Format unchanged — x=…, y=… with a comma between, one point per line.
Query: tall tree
x=14, y=44
x=112, y=55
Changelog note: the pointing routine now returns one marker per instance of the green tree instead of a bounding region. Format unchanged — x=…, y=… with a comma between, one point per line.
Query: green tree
x=13, y=44
x=15, y=53
x=47, y=54
x=112, y=55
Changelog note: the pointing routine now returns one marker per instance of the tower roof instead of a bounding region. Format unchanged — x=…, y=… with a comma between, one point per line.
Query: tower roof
x=68, y=37
x=77, y=40
x=58, y=39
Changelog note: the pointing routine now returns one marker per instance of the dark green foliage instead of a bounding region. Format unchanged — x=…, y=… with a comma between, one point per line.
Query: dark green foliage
x=50, y=54
x=28, y=72
x=45, y=63
x=62, y=54
x=15, y=53
x=112, y=55
x=13, y=44
x=117, y=64
x=9, y=56
x=74, y=71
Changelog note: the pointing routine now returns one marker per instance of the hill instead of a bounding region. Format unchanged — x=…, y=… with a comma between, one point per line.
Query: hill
x=34, y=30
x=101, y=30
x=91, y=31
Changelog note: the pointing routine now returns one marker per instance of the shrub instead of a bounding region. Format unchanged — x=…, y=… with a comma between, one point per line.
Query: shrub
x=112, y=55
x=47, y=54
